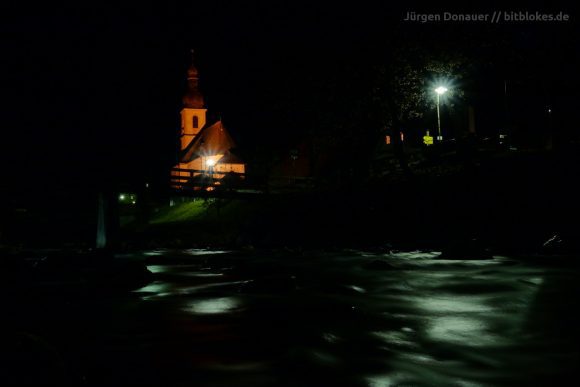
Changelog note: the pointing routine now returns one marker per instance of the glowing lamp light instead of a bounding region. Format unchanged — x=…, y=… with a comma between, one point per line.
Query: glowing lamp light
x=211, y=163
x=440, y=90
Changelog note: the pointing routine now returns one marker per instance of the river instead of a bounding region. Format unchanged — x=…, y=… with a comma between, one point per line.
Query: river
x=319, y=318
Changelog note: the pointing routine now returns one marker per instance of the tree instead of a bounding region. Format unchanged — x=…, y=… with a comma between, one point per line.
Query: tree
x=404, y=83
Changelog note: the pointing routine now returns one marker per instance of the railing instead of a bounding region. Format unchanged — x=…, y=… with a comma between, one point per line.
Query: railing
x=188, y=179
x=216, y=182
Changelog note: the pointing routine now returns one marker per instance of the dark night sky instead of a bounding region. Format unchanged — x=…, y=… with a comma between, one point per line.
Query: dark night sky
x=99, y=87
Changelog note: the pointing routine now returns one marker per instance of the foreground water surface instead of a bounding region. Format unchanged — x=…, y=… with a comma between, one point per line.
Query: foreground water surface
x=218, y=318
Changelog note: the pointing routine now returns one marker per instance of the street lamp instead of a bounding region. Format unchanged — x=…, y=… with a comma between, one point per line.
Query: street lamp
x=211, y=163
x=440, y=90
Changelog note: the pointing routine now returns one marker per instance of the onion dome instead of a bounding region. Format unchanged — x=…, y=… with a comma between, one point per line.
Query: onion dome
x=193, y=97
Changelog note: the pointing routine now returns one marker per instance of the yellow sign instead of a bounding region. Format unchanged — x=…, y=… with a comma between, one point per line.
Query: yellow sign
x=428, y=140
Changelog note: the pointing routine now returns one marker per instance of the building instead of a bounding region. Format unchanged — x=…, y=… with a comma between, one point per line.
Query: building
x=206, y=158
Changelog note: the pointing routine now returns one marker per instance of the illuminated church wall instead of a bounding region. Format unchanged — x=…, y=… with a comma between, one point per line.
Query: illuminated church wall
x=192, y=120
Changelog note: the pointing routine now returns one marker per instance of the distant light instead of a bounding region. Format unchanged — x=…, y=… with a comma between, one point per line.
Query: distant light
x=122, y=197
x=146, y=185
x=134, y=202
x=440, y=90
x=211, y=162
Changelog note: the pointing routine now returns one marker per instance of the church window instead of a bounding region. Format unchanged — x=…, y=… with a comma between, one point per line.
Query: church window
x=195, y=122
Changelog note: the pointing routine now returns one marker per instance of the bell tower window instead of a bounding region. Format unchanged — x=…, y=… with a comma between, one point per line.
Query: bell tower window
x=195, y=122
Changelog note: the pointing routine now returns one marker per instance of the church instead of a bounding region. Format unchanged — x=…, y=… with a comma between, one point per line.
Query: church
x=206, y=157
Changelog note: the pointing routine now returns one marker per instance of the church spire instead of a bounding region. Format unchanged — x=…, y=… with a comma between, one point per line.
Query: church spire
x=193, y=98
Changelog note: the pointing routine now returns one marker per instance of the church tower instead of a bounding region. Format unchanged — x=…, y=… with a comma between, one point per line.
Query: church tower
x=193, y=114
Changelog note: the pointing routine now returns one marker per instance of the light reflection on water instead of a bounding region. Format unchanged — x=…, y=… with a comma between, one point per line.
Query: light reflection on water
x=384, y=380
x=469, y=331
x=213, y=305
x=157, y=288
x=398, y=339
x=204, y=252
x=179, y=270
x=466, y=309
x=206, y=275
x=357, y=289
x=154, y=253
x=415, y=255
x=456, y=304
x=431, y=262
x=157, y=268
x=205, y=287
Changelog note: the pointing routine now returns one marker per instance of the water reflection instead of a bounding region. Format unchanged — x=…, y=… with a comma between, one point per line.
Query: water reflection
x=154, y=253
x=182, y=270
x=206, y=275
x=455, y=304
x=213, y=305
x=204, y=252
x=463, y=330
x=157, y=288
x=157, y=268
x=265, y=319
x=384, y=380
x=396, y=339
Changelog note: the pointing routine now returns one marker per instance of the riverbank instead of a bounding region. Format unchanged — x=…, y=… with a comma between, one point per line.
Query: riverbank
x=512, y=203
x=508, y=202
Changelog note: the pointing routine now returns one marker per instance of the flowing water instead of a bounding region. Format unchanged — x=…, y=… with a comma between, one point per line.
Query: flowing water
x=217, y=318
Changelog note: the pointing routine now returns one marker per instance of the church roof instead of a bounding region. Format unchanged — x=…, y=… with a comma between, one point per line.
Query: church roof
x=230, y=158
x=210, y=141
